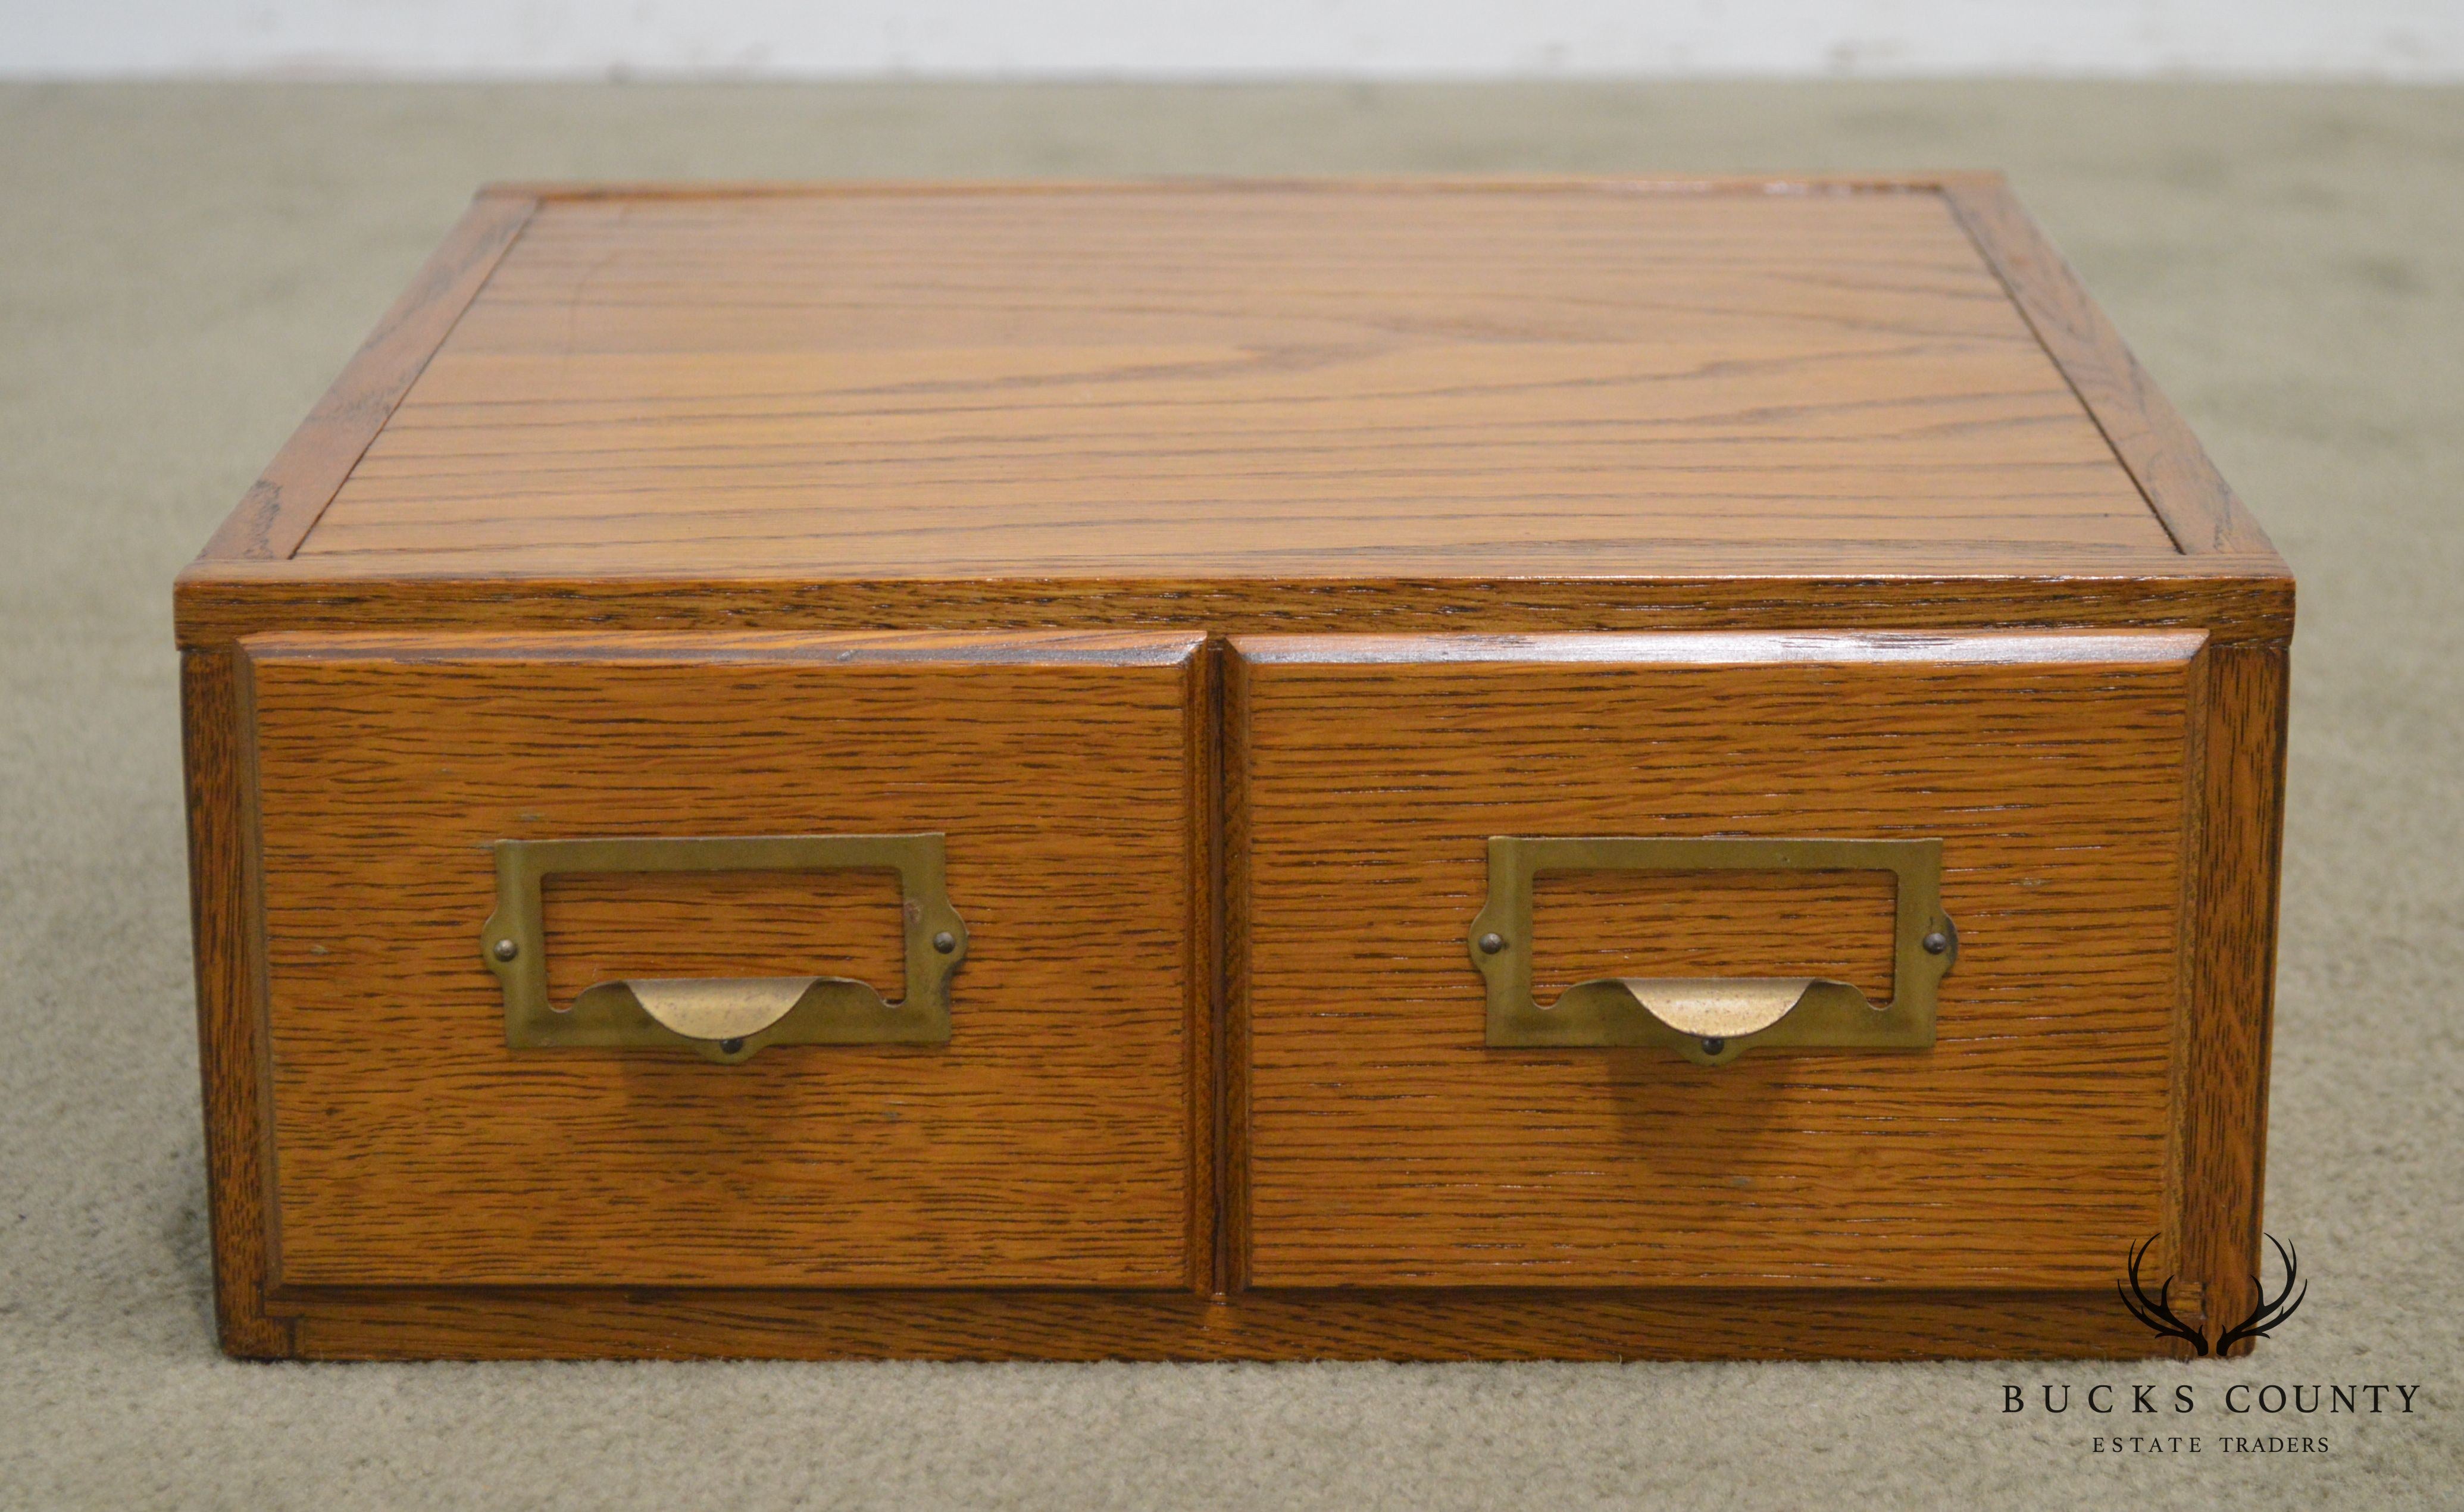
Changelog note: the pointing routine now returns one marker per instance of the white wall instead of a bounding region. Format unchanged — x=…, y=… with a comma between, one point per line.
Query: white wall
x=2420, y=39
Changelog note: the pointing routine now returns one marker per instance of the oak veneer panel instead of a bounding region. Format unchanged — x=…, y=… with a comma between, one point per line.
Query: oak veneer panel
x=1387, y=1144
x=1048, y=1143
x=1277, y=379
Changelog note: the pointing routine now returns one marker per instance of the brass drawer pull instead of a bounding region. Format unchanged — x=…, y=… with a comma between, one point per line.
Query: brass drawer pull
x=727, y=1019
x=1712, y=1020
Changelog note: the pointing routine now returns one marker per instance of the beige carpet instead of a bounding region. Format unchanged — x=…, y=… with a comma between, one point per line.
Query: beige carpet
x=182, y=270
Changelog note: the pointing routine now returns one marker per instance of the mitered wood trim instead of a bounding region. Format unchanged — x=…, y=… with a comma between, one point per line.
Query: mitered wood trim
x=546, y=190
x=220, y=601
x=1325, y=1325
x=2198, y=509
x=229, y=942
x=2230, y=955
x=283, y=505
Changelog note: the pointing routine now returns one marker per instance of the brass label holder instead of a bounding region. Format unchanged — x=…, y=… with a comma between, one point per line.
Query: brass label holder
x=726, y=1020
x=1712, y=1020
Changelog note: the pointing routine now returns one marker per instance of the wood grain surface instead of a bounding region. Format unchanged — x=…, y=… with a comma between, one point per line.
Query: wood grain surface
x=1280, y=381
x=2229, y=971
x=227, y=926
x=2228, y=599
x=1387, y=1144
x=1047, y=1142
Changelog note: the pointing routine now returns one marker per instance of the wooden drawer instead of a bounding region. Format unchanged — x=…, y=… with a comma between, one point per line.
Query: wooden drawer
x=1389, y=1143
x=1050, y=1141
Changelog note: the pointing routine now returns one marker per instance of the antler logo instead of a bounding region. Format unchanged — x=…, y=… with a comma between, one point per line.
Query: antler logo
x=2157, y=1311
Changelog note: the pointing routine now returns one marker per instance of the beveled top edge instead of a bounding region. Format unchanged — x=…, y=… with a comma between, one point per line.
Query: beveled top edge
x=217, y=603
x=1693, y=647
x=1104, y=648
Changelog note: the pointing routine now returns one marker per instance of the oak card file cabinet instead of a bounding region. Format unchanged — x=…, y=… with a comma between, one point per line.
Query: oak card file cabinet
x=1421, y=769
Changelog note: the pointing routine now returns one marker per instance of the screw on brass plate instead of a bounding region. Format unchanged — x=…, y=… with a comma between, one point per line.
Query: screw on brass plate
x=507, y=950
x=945, y=942
x=731, y=1047
x=1714, y=1046
x=1936, y=943
x=1491, y=943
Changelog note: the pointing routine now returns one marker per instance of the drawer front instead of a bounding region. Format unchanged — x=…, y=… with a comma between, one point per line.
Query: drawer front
x=2021, y=1138
x=1044, y=1136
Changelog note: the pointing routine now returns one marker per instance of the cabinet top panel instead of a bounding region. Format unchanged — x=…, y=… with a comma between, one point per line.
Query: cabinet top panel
x=1581, y=379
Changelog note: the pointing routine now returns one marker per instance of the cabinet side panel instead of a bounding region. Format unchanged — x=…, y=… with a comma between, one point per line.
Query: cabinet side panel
x=2231, y=971
x=228, y=941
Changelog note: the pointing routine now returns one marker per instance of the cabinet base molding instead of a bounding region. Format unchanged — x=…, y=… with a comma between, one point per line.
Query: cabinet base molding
x=1439, y=1325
